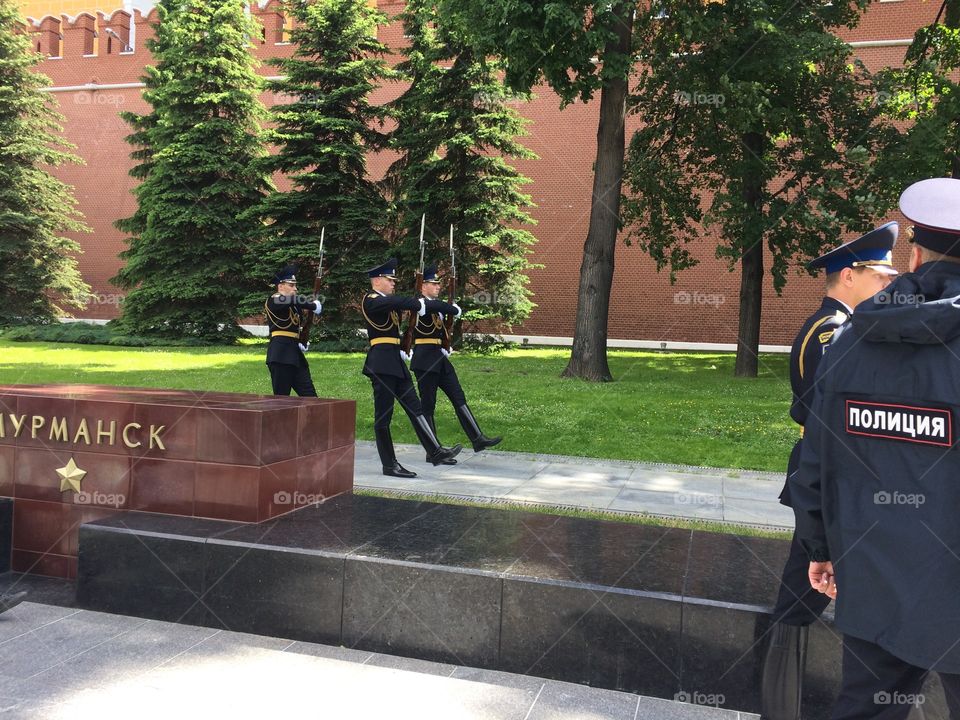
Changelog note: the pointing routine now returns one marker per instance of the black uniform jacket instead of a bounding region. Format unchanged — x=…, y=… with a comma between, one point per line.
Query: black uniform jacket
x=428, y=335
x=285, y=316
x=878, y=488
x=382, y=315
x=808, y=348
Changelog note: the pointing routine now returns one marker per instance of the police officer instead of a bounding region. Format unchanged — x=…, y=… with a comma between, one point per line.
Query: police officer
x=855, y=271
x=434, y=370
x=285, y=354
x=388, y=372
x=876, y=493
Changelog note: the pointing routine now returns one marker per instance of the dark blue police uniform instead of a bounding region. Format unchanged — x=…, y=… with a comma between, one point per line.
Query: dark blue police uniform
x=877, y=488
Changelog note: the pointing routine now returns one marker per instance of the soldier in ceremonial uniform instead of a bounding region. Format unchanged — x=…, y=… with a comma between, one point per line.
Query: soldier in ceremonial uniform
x=285, y=354
x=855, y=271
x=876, y=492
x=434, y=370
x=388, y=372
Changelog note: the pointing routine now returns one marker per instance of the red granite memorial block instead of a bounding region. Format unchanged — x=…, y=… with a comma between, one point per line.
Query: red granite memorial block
x=70, y=454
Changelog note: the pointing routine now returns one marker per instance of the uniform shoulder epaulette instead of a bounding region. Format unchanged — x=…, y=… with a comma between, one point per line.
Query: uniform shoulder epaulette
x=372, y=295
x=275, y=295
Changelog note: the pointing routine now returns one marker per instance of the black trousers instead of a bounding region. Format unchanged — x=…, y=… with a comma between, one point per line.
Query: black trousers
x=446, y=379
x=296, y=377
x=879, y=686
x=797, y=602
x=386, y=389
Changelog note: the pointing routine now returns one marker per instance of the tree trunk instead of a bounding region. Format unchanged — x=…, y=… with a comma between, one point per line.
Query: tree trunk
x=751, y=279
x=588, y=360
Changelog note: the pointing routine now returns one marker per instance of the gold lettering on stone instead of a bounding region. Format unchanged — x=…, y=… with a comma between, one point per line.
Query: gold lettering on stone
x=155, y=436
x=82, y=431
x=126, y=439
x=58, y=429
x=17, y=424
x=3, y=426
x=36, y=422
x=111, y=433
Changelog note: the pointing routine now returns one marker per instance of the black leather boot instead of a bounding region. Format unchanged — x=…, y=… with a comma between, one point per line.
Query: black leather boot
x=436, y=453
x=433, y=426
x=781, y=687
x=388, y=458
x=472, y=429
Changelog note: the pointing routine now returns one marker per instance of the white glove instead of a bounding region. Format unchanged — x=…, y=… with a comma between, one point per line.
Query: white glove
x=406, y=356
x=304, y=348
x=459, y=311
x=317, y=307
x=446, y=353
x=423, y=308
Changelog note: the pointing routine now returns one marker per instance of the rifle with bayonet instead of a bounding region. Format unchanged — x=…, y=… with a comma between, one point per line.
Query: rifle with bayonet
x=317, y=285
x=451, y=297
x=407, y=341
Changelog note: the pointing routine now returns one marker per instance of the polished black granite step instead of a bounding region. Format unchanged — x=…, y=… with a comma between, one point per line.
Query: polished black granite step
x=647, y=609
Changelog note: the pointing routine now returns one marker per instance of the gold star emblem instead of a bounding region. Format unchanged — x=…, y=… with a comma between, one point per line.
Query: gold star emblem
x=70, y=476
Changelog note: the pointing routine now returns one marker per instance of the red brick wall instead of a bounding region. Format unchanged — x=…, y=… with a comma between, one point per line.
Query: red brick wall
x=701, y=307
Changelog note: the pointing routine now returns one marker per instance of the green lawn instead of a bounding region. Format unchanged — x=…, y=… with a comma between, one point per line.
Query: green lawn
x=664, y=407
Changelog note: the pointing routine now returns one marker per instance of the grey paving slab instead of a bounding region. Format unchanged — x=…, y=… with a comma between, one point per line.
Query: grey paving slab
x=52, y=644
x=528, y=683
x=29, y=617
x=128, y=654
x=411, y=664
x=687, y=505
x=715, y=494
x=333, y=652
x=550, y=494
x=753, y=488
x=757, y=511
x=565, y=701
x=658, y=709
x=643, y=478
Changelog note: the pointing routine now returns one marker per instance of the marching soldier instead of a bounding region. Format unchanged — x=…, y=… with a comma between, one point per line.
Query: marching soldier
x=285, y=354
x=388, y=372
x=434, y=370
x=876, y=493
x=855, y=272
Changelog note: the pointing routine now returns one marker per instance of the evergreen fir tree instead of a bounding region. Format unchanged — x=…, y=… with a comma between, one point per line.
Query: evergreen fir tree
x=38, y=272
x=455, y=133
x=188, y=265
x=322, y=134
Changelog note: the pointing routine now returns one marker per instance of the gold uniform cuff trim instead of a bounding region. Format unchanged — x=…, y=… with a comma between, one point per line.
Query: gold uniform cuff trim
x=385, y=341
x=284, y=333
x=427, y=341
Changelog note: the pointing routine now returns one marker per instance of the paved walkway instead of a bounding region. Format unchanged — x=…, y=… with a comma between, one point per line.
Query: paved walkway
x=732, y=496
x=58, y=662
